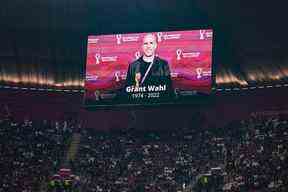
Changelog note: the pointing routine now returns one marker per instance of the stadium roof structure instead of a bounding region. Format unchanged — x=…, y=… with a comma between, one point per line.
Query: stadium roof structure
x=42, y=42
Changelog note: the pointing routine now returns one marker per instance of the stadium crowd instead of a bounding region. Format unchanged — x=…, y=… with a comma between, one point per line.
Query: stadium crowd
x=30, y=151
x=247, y=155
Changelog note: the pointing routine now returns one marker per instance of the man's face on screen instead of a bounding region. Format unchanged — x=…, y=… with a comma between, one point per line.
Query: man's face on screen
x=149, y=45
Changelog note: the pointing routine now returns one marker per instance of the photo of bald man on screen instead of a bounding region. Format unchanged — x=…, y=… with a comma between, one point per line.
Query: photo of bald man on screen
x=149, y=73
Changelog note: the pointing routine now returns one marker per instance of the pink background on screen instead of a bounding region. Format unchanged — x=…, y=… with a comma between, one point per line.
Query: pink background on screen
x=110, y=54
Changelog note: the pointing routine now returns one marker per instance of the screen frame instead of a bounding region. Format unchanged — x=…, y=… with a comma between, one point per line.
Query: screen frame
x=198, y=100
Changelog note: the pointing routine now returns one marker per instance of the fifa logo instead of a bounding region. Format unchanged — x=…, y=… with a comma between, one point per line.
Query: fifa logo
x=97, y=95
x=118, y=37
x=97, y=57
x=199, y=73
x=202, y=34
x=178, y=53
x=159, y=36
x=137, y=55
x=117, y=76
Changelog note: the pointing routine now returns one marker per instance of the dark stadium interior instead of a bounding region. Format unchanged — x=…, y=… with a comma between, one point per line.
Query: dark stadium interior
x=50, y=142
x=48, y=37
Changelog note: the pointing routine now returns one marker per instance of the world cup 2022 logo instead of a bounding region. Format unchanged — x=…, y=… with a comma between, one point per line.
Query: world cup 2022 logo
x=97, y=58
x=159, y=36
x=118, y=38
x=178, y=53
x=97, y=95
x=202, y=34
x=199, y=72
x=117, y=76
x=137, y=54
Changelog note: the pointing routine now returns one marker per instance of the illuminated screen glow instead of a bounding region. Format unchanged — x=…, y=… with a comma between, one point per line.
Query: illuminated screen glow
x=148, y=68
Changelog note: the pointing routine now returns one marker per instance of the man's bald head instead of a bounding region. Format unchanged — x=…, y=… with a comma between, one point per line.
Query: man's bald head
x=149, y=45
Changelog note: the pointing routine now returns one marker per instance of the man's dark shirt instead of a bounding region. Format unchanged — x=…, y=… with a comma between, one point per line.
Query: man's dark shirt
x=159, y=74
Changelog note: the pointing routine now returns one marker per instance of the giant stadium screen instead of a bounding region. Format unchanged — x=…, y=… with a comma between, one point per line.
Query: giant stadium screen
x=148, y=68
